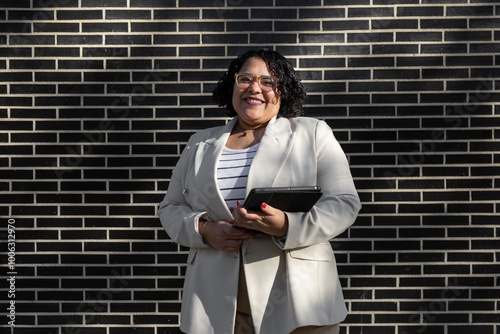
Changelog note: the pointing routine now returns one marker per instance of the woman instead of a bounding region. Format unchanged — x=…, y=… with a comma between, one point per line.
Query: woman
x=267, y=271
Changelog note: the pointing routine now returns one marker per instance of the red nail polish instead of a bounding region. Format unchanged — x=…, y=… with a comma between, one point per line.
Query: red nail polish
x=238, y=203
x=264, y=205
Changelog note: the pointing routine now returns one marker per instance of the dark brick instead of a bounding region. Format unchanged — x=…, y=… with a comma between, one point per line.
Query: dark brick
x=47, y=27
x=177, y=14
x=347, y=50
x=443, y=23
x=328, y=13
x=104, y=27
x=341, y=25
x=223, y=38
x=57, y=52
x=468, y=36
x=130, y=137
x=153, y=3
x=105, y=52
x=79, y=14
x=16, y=76
x=469, y=10
x=16, y=198
x=57, y=76
x=80, y=186
x=15, y=52
x=369, y=37
x=128, y=14
x=154, y=76
x=297, y=26
x=101, y=3
x=370, y=12
x=231, y=13
x=14, y=28
x=244, y=26
x=16, y=174
x=81, y=89
x=107, y=76
x=15, y=4
x=128, y=64
x=420, y=11
x=394, y=24
x=177, y=64
x=88, y=40
x=16, y=125
x=376, y=282
x=59, y=198
x=267, y=38
x=371, y=86
x=128, y=40
x=32, y=89
x=34, y=40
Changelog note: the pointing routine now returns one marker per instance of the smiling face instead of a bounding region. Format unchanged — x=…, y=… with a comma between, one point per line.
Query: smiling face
x=253, y=105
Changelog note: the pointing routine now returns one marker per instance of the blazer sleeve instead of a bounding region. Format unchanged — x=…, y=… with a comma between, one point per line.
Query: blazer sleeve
x=176, y=215
x=337, y=209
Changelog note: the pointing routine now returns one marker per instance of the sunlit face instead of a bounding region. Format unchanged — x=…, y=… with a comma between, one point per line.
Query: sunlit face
x=254, y=105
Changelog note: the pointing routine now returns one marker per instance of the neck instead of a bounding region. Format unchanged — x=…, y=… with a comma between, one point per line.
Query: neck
x=245, y=132
x=245, y=137
x=250, y=128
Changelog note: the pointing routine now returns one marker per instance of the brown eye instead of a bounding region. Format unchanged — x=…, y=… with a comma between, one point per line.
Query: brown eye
x=245, y=79
x=268, y=82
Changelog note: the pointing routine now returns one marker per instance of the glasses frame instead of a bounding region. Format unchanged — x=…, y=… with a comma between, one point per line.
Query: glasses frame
x=254, y=78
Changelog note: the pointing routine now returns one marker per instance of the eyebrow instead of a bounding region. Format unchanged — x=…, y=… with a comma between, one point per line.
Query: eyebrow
x=253, y=75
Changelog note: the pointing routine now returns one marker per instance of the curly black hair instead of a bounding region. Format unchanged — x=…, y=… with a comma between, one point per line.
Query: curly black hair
x=291, y=90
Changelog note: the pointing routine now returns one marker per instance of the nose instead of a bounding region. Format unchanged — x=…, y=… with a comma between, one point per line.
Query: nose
x=254, y=86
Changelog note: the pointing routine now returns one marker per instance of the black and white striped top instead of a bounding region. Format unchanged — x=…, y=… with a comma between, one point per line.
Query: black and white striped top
x=232, y=173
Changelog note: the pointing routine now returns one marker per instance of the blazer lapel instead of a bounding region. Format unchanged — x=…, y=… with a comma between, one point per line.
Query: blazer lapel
x=275, y=147
x=207, y=157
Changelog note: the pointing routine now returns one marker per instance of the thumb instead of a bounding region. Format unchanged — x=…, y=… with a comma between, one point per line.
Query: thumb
x=267, y=209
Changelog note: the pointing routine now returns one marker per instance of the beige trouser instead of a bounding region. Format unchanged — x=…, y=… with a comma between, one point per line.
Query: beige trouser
x=331, y=329
x=244, y=324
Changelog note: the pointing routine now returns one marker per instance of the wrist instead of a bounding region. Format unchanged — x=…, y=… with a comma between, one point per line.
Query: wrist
x=202, y=226
x=284, y=229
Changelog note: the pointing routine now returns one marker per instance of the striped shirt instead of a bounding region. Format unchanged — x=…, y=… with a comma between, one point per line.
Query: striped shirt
x=232, y=173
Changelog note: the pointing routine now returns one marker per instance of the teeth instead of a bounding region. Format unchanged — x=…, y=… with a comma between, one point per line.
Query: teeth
x=254, y=101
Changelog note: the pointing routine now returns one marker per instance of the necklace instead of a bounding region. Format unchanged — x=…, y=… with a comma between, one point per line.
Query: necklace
x=245, y=132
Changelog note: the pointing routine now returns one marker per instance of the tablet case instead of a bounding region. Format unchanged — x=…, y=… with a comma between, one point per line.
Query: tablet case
x=291, y=199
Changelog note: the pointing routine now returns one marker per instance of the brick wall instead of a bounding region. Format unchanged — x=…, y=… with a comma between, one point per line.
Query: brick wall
x=98, y=98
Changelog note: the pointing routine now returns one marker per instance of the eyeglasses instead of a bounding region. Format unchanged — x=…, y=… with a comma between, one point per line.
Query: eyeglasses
x=266, y=83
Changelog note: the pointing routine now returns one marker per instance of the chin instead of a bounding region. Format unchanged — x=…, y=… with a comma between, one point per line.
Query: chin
x=251, y=114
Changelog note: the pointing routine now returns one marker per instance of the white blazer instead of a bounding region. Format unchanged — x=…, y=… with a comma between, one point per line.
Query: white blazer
x=290, y=284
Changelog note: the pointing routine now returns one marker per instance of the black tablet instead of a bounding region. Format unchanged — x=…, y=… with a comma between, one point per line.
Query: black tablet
x=291, y=199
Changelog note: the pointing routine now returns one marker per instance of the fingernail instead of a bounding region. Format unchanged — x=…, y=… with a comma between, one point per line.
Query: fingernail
x=238, y=203
x=264, y=205
x=232, y=209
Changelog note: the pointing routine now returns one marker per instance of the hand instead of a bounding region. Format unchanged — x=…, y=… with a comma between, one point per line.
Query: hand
x=269, y=220
x=223, y=236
